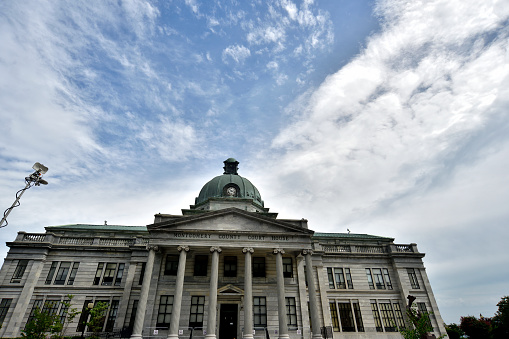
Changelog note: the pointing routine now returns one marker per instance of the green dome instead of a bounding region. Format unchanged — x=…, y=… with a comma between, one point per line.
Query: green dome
x=229, y=185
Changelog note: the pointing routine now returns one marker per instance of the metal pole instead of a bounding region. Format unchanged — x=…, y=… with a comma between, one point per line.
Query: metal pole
x=14, y=203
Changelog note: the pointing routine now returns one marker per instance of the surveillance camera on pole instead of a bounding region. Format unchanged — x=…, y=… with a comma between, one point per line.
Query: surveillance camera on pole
x=34, y=179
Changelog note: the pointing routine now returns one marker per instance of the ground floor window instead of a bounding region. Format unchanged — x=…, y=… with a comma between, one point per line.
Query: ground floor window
x=388, y=316
x=197, y=309
x=165, y=309
x=4, y=307
x=260, y=311
x=347, y=314
x=104, y=324
x=334, y=316
x=291, y=311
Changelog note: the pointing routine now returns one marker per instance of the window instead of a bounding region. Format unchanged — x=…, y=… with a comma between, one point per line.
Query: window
x=421, y=307
x=370, y=279
x=37, y=305
x=4, y=308
x=349, y=281
x=133, y=314
x=165, y=308
x=51, y=272
x=112, y=315
x=63, y=312
x=346, y=316
x=83, y=316
x=291, y=311
x=379, y=279
x=74, y=271
x=172, y=264
x=108, y=274
x=230, y=266
x=19, y=271
x=120, y=273
x=142, y=273
x=388, y=317
x=339, y=278
x=387, y=279
x=399, y=316
x=330, y=276
x=413, y=278
x=358, y=316
x=197, y=307
x=334, y=316
x=287, y=267
x=377, y=275
x=345, y=312
x=200, y=265
x=62, y=273
x=100, y=324
x=51, y=306
x=376, y=316
x=260, y=311
x=259, y=267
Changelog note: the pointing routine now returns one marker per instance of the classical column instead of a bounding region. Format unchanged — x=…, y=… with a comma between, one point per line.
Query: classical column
x=145, y=288
x=281, y=301
x=313, y=302
x=177, y=299
x=248, y=295
x=214, y=269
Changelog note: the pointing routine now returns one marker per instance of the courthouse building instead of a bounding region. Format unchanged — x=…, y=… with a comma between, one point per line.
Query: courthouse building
x=226, y=268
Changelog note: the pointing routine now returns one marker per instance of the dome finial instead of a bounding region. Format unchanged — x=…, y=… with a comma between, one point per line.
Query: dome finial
x=230, y=166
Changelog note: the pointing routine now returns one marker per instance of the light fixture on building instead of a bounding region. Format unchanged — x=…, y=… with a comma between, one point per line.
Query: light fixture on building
x=34, y=179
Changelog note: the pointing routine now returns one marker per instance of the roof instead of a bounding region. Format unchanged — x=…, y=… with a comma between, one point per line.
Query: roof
x=98, y=227
x=350, y=236
x=217, y=187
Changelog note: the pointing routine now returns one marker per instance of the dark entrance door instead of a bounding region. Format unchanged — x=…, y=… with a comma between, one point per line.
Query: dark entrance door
x=228, y=321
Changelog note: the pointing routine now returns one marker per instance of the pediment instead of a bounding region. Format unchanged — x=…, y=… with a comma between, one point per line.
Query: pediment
x=230, y=219
x=230, y=290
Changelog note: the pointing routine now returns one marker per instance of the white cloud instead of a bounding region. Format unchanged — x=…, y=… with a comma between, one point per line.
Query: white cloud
x=236, y=52
x=395, y=126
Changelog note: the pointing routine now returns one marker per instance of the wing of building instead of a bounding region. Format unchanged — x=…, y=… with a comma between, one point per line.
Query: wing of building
x=226, y=268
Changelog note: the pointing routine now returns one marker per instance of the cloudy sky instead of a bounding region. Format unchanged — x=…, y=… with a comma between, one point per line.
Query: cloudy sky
x=384, y=117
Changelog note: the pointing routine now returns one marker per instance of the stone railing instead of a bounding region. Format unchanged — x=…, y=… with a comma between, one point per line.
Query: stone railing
x=369, y=249
x=33, y=237
x=75, y=241
x=404, y=248
x=337, y=248
x=116, y=242
x=79, y=241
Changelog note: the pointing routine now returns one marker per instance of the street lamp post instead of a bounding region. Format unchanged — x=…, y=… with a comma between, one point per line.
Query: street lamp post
x=34, y=179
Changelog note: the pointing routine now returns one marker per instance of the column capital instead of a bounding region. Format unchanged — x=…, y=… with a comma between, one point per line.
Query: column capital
x=153, y=248
x=278, y=250
x=307, y=251
x=247, y=249
x=215, y=249
x=183, y=248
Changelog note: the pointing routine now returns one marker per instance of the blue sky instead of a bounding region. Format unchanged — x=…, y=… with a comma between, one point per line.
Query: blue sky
x=384, y=117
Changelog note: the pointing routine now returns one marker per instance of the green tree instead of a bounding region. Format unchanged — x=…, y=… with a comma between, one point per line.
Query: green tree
x=67, y=315
x=41, y=323
x=454, y=331
x=97, y=317
x=500, y=322
x=476, y=328
x=418, y=326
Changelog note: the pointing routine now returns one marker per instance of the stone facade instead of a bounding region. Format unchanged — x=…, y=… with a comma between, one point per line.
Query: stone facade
x=226, y=268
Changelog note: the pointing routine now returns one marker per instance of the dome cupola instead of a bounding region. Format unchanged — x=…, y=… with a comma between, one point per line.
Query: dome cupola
x=229, y=186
